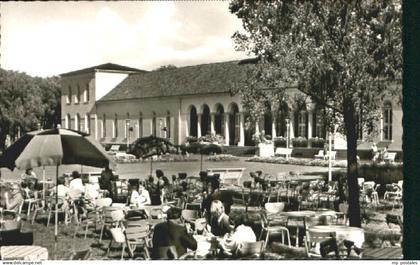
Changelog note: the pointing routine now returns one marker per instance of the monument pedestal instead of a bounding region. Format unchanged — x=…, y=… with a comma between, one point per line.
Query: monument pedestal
x=265, y=149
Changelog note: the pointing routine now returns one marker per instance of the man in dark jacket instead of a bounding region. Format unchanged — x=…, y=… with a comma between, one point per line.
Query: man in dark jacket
x=106, y=178
x=172, y=233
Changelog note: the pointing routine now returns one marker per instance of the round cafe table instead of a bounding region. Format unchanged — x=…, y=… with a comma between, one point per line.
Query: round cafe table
x=354, y=234
x=298, y=216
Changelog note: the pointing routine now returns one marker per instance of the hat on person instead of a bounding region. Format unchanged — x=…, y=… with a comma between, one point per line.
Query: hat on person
x=174, y=213
x=75, y=174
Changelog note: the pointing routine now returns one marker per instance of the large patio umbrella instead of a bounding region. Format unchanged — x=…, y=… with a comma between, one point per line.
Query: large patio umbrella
x=54, y=147
x=150, y=146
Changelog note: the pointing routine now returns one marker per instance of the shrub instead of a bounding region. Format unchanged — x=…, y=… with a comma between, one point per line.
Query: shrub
x=280, y=142
x=298, y=161
x=191, y=139
x=212, y=138
x=317, y=142
x=300, y=142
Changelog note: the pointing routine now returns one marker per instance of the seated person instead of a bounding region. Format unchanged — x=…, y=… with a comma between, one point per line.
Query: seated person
x=139, y=197
x=213, y=193
x=91, y=193
x=162, y=184
x=76, y=183
x=13, y=198
x=61, y=189
x=219, y=221
x=242, y=233
x=172, y=233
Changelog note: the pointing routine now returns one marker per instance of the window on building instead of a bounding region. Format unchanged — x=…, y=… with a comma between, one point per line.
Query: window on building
x=154, y=124
x=86, y=94
x=127, y=127
x=77, y=96
x=67, y=121
x=115, y=127
x=87, y=123
x=69, y=95
x=387, y=121
x=140, y=126
x=302, y=120
x=77, y=122
x=319, y=128
x=103, y=125
x=168, y=125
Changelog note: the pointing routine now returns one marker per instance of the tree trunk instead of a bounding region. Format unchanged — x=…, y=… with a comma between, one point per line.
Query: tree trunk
x=353, y=186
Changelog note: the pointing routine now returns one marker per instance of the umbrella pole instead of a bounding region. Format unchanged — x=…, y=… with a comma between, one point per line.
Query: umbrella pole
x=201, y=163
x=56, y=205
x=43, y=184
x=151, y=165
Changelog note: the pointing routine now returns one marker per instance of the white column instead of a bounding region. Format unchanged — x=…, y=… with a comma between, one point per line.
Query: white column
x=291, y=130
x=199, y=125
x=257, y=126
x=273, y=126
x=241, y=130
x=212, y=131
x=226, y=128
x=96, y=126
x=381, y=128
x=310, y=118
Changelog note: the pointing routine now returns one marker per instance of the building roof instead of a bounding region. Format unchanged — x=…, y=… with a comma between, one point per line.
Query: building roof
x=188, y=80
x=105, y=67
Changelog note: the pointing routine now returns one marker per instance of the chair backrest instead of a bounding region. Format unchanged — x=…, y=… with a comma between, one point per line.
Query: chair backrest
x=11, y=225
x=314, y=237
x=250, y=248
x=103, y=202
x=81, y=255
x=274, y=207
x=137, y=222
x=320, y=152
x=368, y=185
x=360, y=181
x=168, y=252
x=117, y=215
x=188, y=214
x=137, y=232
x=118, y=235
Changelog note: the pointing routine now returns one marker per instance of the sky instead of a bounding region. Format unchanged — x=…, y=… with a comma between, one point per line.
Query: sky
x=50, y=38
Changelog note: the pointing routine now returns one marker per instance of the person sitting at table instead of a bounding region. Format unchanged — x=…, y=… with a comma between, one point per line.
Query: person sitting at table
x=172, y=233
x=214, y=193
x=162, y=184
x=76, y=183
x=242, y=233
x=219, y=222
x=14, y=198
x=139, y=197
x=62, y=190
x=30, y=179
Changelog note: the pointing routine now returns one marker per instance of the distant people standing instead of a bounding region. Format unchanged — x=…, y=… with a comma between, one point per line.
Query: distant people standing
x=375, y=152
x=106, y=178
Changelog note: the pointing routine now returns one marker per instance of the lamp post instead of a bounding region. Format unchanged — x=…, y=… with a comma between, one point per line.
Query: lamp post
x=287, y=132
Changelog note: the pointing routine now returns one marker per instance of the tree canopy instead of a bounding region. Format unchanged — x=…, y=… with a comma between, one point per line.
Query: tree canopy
x=345, y=55
x=27, y=102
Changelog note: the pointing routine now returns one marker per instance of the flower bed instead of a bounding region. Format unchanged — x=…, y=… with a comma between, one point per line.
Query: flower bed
x=222, y=157
x=300, y=161
x=163, y=158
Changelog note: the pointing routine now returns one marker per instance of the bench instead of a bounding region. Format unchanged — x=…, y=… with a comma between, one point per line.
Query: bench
x=390, y=157
x=228, y=175
x=287, y=152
